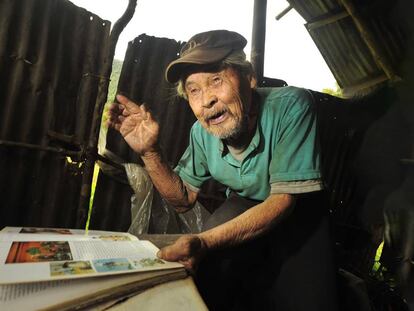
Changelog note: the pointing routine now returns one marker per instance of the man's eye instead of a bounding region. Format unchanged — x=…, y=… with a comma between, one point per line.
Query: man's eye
x=194, y=91
x=216, y=80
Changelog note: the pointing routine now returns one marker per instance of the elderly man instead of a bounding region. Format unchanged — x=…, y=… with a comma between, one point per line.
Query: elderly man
x=261, y=249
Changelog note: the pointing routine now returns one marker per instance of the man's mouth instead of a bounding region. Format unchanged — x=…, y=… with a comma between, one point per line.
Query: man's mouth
x=217, y=118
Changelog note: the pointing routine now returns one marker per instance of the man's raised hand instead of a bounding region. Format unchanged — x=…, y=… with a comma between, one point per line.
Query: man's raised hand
x=135, y=123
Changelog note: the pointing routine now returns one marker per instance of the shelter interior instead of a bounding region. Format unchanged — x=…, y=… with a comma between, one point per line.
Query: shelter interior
x=53, y=92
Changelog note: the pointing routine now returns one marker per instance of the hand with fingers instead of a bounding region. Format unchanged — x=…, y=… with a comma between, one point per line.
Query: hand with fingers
x=135, y=123
x=187, y=250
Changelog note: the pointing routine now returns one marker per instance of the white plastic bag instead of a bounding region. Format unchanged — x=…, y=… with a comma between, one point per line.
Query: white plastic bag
x=141, y=200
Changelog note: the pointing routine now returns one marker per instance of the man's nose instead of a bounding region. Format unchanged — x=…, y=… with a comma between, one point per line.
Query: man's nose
x=209, y=100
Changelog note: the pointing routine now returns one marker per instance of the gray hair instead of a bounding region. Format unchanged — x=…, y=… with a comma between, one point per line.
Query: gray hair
x=236, y=60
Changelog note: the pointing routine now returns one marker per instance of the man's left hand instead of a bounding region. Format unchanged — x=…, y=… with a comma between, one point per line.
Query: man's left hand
x=187, y=250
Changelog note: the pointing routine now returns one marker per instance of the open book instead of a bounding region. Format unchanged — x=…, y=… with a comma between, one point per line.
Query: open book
x=64, y=269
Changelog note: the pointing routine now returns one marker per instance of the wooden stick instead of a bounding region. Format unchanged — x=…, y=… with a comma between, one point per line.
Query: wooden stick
x=368, y=38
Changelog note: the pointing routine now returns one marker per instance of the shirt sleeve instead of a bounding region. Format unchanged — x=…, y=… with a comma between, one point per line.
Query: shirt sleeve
x=296, y=155
x=192, y=167
x=300, y=186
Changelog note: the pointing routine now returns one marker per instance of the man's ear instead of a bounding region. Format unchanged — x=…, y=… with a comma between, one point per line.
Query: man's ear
x=253, y=82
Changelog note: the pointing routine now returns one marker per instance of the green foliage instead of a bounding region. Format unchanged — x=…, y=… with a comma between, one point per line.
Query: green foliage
x=334, y=92
x=113, y=86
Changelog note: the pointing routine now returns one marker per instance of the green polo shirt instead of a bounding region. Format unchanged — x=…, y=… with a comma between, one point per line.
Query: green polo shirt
x=283, y=150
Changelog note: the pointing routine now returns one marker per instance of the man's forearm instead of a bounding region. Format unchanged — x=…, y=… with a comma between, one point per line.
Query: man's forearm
x=251, y=224
x=167, y=182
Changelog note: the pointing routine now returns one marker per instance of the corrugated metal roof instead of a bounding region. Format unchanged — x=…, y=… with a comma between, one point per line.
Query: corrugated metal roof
x=359, y=40
x=50, y=55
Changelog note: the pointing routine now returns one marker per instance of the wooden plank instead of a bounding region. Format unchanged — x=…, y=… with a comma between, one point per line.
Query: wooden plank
x=284, y=12
x=326, y=20
x=351, y=90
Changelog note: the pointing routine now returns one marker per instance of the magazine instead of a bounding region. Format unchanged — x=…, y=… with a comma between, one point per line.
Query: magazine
x=43, y=268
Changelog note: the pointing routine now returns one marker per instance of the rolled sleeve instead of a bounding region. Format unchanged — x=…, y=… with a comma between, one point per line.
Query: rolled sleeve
x=293, y=187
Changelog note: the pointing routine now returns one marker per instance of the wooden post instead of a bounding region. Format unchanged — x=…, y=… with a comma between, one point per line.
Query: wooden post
x=92, y=147
x=258, y=37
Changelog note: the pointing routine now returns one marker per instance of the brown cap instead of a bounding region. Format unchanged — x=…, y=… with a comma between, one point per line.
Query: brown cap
x=205, y=48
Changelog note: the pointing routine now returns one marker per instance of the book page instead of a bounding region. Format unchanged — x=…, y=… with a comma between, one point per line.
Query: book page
x=44, y=257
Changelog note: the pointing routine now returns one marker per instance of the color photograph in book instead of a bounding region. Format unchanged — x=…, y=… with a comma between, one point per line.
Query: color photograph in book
x=71, y=268
x=38, y=251
x=114, y=238
x=148, y=262
x=45, y=230
x=110, y=265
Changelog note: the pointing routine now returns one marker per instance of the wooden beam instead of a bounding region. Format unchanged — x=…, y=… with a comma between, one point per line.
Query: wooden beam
x=369, y=40
x=284, y=12
x=326, y=20
x=353, y=89
x=63, y=151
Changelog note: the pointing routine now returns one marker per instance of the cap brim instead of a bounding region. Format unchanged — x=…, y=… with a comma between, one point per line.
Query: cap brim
x=196, y=57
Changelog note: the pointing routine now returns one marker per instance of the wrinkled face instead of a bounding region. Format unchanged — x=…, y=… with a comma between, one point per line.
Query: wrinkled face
x=220, y=100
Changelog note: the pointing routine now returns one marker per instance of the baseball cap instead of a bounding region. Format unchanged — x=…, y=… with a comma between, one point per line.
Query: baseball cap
x=203, y=49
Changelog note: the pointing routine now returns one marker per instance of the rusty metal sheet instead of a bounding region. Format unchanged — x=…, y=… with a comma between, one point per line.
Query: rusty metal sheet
x=50, y=55
x=345, y=47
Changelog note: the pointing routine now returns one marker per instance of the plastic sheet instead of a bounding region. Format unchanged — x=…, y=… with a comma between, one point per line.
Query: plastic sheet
x=193, y=220
x=149, y=212
x=141, y=200
x=165, y=220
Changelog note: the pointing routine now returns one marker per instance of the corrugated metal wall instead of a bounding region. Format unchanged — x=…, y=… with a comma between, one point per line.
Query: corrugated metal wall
x=50, y=55
x=142, y=79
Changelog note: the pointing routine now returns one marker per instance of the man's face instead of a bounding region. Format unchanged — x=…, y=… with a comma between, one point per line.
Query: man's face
x=220, y=100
